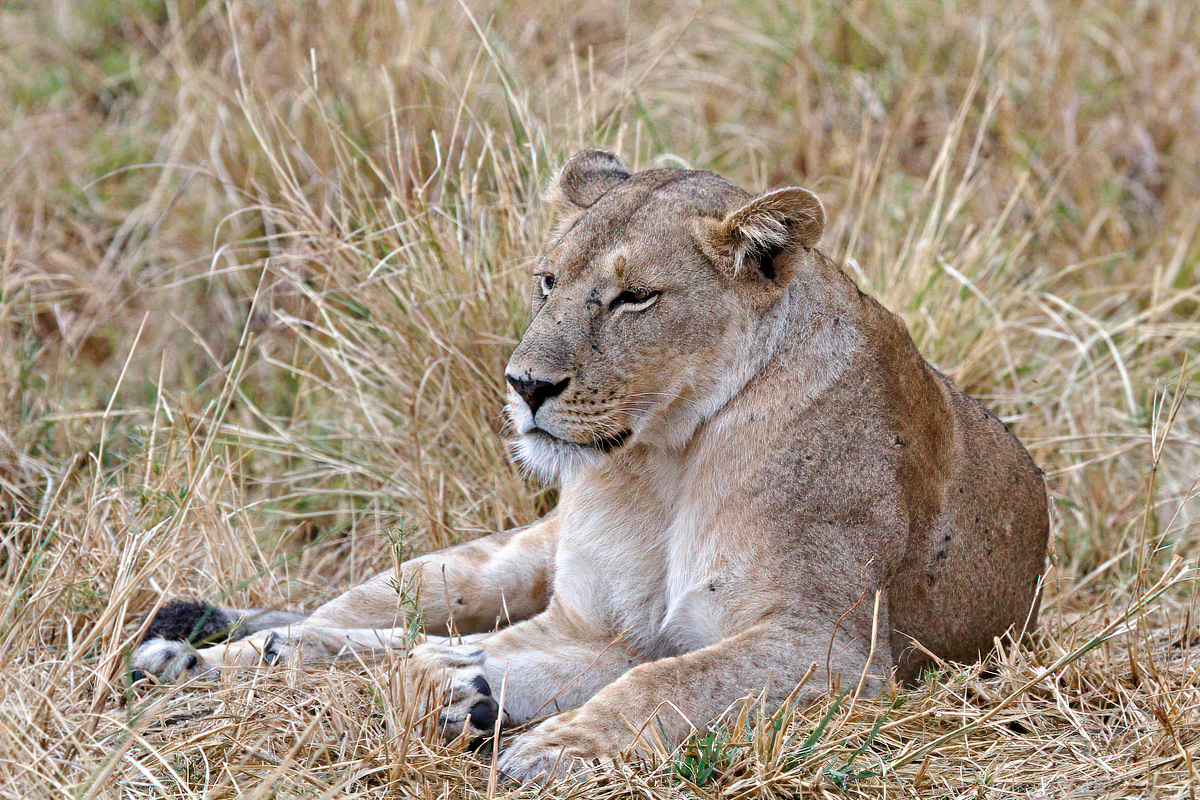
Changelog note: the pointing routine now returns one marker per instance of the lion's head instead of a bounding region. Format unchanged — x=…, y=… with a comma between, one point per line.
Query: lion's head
x=649, y=307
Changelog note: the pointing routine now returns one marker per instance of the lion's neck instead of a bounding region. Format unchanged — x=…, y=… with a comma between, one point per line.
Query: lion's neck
x=820, y=327
x=811, y=334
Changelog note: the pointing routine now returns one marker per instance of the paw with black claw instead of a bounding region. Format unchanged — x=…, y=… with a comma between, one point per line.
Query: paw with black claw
x=174, y=661
x=168, y=661
x=469, y=710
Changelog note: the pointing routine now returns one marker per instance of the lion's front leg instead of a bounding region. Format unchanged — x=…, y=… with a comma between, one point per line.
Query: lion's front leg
x=668, y=699
x=540, y=666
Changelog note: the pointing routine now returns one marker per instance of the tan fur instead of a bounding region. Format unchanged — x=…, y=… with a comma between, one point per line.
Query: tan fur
x=757, y=470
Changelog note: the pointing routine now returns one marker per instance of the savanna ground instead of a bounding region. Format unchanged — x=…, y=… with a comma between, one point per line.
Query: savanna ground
x=262, y=264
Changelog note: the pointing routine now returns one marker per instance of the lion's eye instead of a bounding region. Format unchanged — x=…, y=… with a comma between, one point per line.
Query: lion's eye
x=545, y=284
x=635, y=300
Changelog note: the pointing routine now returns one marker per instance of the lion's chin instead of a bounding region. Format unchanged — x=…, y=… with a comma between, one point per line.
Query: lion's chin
x=554, y=459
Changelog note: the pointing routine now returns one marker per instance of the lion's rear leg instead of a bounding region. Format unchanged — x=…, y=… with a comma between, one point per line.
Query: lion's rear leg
x=473, y=588
x=173, y=660
x=170, y=647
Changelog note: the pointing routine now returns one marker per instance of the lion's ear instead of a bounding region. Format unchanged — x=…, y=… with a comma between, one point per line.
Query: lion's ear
x=750, y=239
x=585, y=177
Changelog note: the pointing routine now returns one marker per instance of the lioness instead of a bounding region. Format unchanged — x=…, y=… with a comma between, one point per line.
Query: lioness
x=760, y=476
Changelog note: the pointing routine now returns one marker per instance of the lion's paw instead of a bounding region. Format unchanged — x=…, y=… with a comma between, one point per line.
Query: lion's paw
x=552, y=751
x=168, y=661
x=174, y=661
x=470, y=709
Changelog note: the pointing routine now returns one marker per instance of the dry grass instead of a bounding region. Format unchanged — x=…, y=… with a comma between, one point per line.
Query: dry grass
x=261, y=267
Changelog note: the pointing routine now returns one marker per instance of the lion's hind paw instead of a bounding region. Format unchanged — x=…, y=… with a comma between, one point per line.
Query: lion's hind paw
x=167, y=661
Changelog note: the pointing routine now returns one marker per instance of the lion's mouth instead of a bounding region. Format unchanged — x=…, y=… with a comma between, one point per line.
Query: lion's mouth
x=605, y=444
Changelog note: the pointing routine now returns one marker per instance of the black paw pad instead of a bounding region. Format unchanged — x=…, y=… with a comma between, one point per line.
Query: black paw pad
x=271, y=649
x=483, y=715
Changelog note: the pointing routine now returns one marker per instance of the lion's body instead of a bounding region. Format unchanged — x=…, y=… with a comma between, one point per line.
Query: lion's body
x=758, y=472
x=815, y=487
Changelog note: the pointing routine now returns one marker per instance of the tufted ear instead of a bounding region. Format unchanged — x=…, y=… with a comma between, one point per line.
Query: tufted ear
x=749, y=239
x=585, y=177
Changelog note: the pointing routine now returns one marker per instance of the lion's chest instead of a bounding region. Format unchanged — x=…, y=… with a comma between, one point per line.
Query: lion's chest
x=634, y=562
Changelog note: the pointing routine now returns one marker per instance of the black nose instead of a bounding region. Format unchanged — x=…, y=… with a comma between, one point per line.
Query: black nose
x=535, y=391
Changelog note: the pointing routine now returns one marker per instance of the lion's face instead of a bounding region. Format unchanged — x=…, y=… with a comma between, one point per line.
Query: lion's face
x=644, y=314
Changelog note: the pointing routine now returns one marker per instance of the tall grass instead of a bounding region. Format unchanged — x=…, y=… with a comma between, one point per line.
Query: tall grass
x=262, y=265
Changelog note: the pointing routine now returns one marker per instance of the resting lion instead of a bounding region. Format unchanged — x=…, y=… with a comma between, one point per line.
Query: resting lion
x=760, y=476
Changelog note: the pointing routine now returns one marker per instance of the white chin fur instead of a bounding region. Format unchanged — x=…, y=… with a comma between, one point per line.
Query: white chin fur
x=553, y=460
x=547, y=458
